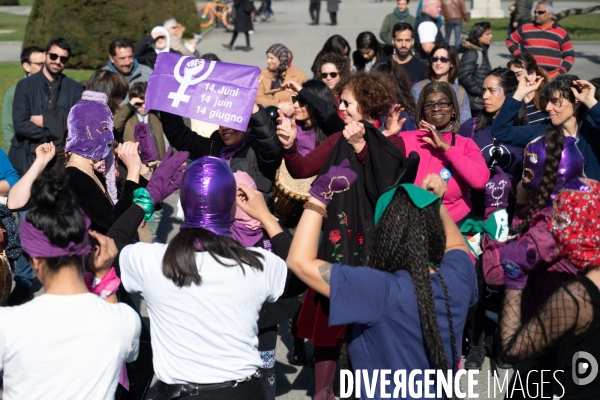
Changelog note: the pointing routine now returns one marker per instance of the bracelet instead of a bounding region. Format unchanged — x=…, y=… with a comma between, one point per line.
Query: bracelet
x=142, y=198
x=320, y=210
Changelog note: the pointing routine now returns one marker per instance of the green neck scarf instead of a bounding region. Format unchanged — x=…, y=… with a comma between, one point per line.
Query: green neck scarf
x=420, y=198
x=401, y=15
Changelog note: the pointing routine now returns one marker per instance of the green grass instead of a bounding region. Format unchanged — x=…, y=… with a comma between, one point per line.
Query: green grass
x=13, y=22
x=25, y=2
x=580, y=27
x=11, y=73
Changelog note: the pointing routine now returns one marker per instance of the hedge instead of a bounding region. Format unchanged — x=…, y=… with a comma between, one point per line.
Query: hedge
x=90, y=25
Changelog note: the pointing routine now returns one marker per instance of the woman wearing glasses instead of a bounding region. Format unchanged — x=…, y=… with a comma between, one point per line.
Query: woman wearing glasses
x=362, y=97
x=443, y=66
x=335, y=44
x=442, y=152
x=331, y=68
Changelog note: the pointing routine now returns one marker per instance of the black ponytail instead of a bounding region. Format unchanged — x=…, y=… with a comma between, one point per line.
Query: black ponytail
x=179, y=261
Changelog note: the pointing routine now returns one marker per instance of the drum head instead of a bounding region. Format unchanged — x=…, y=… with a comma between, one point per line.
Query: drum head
x=299, y=187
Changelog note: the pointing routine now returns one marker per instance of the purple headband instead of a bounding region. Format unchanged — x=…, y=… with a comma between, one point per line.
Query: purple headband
x=534, y=157
x=37, y=244
x=208, y=196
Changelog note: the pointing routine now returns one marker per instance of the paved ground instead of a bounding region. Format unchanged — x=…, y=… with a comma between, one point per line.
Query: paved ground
x=291, y=28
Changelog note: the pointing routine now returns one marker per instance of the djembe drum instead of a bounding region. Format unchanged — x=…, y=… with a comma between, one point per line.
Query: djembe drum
x=289, y=194
x=5, y=278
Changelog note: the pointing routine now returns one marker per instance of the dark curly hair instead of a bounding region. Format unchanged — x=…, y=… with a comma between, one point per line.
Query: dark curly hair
x=342, y=64
x=373, y=92
x=562, y=84
x=452, y=55
x=401, y=81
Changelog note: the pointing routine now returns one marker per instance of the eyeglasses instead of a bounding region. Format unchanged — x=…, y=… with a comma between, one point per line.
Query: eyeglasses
x=295, y=99
x=347, y=103
x=324, y=75
x=540, y=12
x=39, y=64
x=442, y=59
x=54, y=57
x=440, y=104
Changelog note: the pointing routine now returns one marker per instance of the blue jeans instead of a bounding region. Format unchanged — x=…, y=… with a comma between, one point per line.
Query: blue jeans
x=268, y=10
x=456, y=27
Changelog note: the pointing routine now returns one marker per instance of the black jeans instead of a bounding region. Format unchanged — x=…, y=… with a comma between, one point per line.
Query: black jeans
x=251, y=390
x=315, y=10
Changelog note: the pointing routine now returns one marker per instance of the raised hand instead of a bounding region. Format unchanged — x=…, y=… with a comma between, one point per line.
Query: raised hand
x=338, y=179
x=354, y=133
x=167, y=177
x=588, y=93
x=102, y=255
x=393, y=125
x=435, y=184
x=435, y=138
x=45, y=152
x=128, y=154
x=142, y=135
x=252, y=202
x=527, y=86
x=286, y=130
x=291, y=87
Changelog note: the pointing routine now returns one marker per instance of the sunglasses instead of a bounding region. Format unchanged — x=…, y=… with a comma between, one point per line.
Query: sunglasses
x=295, y=99
x=159, y=38
x=139, y=104
x=442, y=59
x=324, y=75
x=39, y=64
x=54, y=57
x=347, y=103
x=441, y=104
x=540, y=12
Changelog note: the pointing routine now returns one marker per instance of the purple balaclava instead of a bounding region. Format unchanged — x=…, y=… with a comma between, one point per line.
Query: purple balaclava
x=534, y=156
x=208, y=196
x=90, y=134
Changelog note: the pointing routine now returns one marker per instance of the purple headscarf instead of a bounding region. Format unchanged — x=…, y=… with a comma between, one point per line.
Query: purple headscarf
x=534, y=157
x=90, y=134
x=208, y=196
x=36, y=243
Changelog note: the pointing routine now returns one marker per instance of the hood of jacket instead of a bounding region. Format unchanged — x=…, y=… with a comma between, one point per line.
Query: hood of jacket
x=466, y=45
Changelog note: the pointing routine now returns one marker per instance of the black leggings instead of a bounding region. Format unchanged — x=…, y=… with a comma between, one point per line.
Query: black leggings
x=235, y=37
x=267, y=341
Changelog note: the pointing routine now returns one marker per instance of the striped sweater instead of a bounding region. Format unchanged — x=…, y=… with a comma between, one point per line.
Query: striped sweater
x=551, y=46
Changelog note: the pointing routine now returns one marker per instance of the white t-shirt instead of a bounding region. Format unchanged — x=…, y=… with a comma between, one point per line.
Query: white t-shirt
x=427, y=32
x=66, y=347
x=206, y=333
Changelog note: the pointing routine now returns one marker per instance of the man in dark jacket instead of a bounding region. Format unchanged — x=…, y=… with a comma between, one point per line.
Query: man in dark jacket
x=40, y=108
x=427, y=32
x=258, y=152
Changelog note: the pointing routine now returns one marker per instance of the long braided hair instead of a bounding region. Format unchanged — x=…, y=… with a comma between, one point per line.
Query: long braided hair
x=412, y=239
x=555, y=143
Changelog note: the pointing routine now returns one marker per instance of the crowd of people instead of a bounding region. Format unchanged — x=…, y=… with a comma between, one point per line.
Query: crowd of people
x=438, y=190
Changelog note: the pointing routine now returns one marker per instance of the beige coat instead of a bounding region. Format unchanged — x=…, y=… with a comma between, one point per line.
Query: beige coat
x=293, y=74
x=126, y=120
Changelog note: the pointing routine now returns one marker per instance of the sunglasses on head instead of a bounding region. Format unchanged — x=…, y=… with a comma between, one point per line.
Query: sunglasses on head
x=295, y=99
x=540, y=12
x=324, y=75
x=442, y=59
x=54, y=57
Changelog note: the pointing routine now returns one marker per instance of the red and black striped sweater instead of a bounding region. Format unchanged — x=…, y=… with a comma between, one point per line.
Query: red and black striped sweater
x=550, y=45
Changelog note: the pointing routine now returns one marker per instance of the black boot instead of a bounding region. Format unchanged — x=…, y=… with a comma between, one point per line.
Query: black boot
x=475, y=358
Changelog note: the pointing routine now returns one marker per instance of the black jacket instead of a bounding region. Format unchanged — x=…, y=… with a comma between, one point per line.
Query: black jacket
x=439, y=38
x=471, y=75
x=31, y=96
x=145, y=53
x=260, y=156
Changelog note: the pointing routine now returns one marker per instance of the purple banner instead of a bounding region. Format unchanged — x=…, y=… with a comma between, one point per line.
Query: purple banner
x=210, y=91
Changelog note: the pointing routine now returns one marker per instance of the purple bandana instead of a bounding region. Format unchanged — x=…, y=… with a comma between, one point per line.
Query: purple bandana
x=37, y=244
x=208, y=196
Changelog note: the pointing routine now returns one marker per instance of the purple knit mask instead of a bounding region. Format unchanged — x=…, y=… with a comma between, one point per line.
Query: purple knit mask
x=208, y=196
x=90, y=134
x=90, y=126
x=534, y=156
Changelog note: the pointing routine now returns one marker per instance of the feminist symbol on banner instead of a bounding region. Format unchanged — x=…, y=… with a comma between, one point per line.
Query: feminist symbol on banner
x=192, y=68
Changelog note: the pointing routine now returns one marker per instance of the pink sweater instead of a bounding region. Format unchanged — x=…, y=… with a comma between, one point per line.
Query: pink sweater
x=465, y=162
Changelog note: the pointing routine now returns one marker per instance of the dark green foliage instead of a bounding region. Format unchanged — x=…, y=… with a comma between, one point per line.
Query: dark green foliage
x=9, y=2
x=90, y=25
